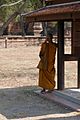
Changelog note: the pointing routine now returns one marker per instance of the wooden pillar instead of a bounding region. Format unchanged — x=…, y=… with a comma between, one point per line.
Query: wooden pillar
x=60, y=62
x=78, y=83
x=76, y=45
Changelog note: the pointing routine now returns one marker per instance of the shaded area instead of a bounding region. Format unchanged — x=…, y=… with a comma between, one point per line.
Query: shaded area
x=23, y=102
x=75, y=93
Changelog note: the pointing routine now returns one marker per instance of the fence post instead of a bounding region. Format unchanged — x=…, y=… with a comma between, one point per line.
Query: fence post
x=6, y=42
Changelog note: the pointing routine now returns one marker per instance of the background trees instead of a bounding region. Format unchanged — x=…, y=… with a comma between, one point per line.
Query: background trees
x=11, y=10
x=6, y=11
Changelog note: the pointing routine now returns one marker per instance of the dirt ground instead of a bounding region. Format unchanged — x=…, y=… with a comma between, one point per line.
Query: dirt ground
x=19, y=80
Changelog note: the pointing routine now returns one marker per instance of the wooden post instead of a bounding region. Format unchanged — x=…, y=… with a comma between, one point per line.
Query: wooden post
x=76, y=46
x=6, y=42
x=60, y=62
x=78, y=83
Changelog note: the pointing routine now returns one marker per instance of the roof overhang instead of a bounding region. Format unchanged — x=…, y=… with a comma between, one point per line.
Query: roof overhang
x=65, y=11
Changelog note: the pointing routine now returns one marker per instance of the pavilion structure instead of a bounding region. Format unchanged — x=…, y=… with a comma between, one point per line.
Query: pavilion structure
x=61, y=11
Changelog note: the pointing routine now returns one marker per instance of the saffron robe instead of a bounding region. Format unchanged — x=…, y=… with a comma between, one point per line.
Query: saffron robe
x=47, y=66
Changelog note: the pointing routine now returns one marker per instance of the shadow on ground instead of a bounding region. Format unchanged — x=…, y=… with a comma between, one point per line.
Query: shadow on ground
x=23, y=103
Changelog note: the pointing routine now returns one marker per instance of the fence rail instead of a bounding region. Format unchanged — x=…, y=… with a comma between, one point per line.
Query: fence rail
x=14, y=41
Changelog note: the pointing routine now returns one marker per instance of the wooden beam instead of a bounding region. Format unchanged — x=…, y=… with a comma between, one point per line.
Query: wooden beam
x=78, y=83
x=70, y=57
x=50, y=17
x=60, y=62
x=76, y=15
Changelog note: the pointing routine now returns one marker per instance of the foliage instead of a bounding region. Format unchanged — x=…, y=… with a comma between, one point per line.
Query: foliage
x=30, y=5
x=5, y=12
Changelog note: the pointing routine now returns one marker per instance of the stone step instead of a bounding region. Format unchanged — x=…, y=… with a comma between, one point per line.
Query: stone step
x=67, y=97
x=61, y=98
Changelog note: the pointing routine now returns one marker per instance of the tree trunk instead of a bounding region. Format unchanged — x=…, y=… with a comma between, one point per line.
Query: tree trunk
x=13, y=16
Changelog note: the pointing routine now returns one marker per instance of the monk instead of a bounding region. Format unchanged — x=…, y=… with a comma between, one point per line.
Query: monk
x=47, y=65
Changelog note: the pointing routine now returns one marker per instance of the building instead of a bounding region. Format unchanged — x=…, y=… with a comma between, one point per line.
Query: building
x=61, y=11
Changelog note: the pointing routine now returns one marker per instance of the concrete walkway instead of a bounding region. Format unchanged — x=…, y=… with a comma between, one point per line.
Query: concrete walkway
x=75, y=93
x=67, y=97
x=23, y=104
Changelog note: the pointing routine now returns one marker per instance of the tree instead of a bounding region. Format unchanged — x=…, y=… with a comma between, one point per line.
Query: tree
x=9, y=11
x=7, y=7
x=11, y=17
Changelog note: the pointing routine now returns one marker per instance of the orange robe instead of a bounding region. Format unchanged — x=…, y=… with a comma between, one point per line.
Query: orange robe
x=46, y=66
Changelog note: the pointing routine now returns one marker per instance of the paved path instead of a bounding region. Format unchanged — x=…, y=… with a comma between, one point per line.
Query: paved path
x=23, y=104
x=72, y=92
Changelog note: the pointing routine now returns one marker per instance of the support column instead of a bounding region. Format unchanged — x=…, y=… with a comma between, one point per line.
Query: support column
x=76, y=46
x=60, y=62
x=78, y=83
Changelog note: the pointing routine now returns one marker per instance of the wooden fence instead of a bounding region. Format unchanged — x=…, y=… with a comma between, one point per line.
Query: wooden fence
x=17, y=41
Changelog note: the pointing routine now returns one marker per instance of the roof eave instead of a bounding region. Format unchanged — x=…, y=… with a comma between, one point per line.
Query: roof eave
x=56, y=11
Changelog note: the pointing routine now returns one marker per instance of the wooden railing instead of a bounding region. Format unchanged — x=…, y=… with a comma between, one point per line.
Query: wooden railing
x=14, y=41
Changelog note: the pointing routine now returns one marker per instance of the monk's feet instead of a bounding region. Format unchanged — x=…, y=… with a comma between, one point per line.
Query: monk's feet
x=43, y=91
x=46, y=91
